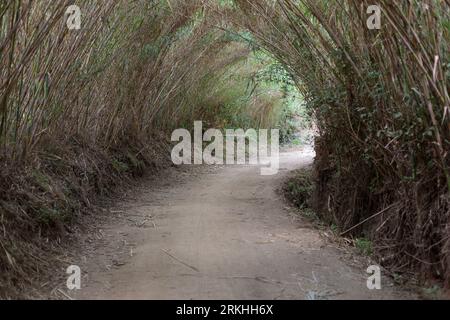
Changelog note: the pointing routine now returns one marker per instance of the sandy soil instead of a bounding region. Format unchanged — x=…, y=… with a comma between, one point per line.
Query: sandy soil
x=218, y=233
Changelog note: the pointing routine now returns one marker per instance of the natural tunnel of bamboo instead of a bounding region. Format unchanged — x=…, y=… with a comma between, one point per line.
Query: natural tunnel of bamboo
x=84, y=108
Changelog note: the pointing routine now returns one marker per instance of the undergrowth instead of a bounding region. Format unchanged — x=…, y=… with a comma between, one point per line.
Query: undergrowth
x=44, y=201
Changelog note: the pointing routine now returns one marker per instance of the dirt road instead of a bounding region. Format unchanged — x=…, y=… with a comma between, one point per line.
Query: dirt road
x=218, y=233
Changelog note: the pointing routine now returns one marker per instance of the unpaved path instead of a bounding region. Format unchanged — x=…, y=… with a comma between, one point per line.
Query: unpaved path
x=223, y=233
